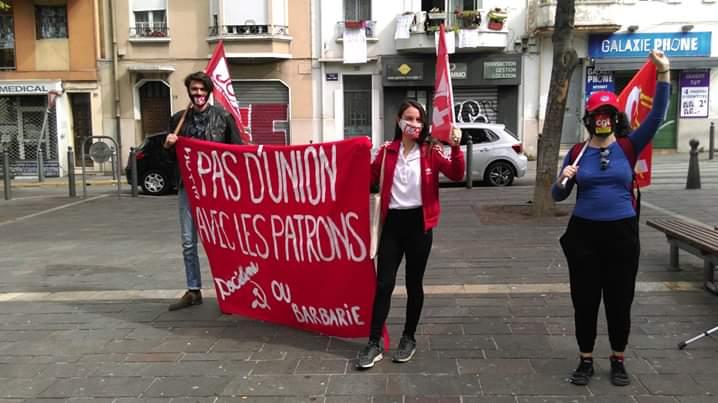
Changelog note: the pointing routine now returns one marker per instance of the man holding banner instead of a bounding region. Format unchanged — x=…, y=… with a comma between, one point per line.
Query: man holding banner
x=601, y=242
x=206, y=122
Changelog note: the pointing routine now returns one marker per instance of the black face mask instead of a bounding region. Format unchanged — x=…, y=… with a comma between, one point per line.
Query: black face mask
x=600, y=124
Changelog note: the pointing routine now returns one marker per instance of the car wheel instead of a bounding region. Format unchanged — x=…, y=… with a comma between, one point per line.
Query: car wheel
x=155, y=182
x=499, y=173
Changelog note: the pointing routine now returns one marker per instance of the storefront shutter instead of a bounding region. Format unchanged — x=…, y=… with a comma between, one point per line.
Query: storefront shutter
x=265, y=110
x=475, y=104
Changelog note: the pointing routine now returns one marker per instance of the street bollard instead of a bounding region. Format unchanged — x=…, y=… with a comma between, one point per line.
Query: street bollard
x=694, y=175
x=6, y=173
x=40, y=164
x=71, y=189
x=711, y=137
x=113, y=158
x=469, y=153
x=133, y=169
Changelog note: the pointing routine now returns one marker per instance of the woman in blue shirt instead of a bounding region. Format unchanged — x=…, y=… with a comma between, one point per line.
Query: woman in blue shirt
x=601, y=242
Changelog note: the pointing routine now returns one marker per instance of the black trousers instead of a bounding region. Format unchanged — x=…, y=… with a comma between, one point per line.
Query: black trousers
x=403, y=235
x=603, y=261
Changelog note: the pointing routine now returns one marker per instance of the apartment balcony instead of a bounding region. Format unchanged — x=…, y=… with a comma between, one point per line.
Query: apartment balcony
x=469, y=33
x=253, y=41
x=149, y=33
x=368, y=26
x=481, y=40
x=595, y=16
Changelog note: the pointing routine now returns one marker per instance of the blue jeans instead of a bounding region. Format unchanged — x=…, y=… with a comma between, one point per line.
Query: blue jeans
x=189, y=242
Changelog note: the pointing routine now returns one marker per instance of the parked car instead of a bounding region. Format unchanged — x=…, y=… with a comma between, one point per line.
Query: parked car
x=497, y=155
x=155, y=167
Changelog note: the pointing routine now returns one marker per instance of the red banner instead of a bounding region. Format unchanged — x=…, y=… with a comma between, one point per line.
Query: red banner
x=442, y=115
x=223, y=91
x=636, y=99
x=286, y=230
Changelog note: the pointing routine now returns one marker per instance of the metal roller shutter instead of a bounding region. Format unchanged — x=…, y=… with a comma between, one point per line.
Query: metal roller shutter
x=265, y=110
x=476, y=104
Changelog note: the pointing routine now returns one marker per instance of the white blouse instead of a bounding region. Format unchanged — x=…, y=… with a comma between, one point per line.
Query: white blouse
x=406, y=185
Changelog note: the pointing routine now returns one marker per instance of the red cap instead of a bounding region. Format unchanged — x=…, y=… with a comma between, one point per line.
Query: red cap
x=602, y=98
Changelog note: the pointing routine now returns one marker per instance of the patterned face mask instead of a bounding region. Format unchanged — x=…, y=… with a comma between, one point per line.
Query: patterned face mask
x=413, y=132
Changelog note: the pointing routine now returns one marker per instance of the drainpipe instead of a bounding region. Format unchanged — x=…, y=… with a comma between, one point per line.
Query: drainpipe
x=116, y=79
x=317, y=50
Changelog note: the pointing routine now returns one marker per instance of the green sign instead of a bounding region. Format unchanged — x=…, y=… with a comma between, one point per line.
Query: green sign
x=500, y=70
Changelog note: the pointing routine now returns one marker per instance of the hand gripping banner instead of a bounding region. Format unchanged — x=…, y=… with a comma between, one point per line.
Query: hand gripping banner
x=286, y=230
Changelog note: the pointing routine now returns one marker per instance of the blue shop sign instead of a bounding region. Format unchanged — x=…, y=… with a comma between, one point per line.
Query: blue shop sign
x=598, y=81
x=681, y=44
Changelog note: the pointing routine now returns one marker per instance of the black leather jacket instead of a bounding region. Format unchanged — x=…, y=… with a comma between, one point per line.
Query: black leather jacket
x=220, y=127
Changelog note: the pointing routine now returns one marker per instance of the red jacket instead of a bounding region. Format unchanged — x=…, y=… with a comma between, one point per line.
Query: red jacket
x=433, y=161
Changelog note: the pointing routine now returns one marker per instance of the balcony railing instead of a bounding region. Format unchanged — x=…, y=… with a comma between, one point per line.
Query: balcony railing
x=248, y=30
x=369, y=28
x=149, y=31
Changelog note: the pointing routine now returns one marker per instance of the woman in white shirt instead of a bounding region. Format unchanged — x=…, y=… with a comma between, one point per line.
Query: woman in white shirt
x=410, y=209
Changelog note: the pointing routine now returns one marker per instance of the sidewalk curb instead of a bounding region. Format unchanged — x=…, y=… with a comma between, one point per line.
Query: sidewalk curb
x=98, y=182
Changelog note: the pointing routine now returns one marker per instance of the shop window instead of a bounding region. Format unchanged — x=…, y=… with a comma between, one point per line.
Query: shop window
x=357, y=10
x=7, y=40
x=51, y=22
x=357, y=105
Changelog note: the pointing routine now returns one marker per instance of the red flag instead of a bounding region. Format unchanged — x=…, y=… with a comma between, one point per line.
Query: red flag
x=223, y=91
x=637, y=100
x=442, y=115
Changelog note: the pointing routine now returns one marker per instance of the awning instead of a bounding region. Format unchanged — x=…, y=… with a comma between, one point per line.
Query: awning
x=677, y=63
x=150, y=68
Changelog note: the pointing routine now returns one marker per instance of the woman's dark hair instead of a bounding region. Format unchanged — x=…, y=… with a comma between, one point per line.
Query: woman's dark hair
x=422, y=115
x=623, y=126
x=199, y=76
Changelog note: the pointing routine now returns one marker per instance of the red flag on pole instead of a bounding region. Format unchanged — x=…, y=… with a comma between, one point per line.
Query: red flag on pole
x=442, y=115
x=637, y=100
x=223, y=91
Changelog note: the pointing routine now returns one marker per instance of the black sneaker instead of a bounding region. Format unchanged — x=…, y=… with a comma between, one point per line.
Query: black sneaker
x=619, y=376
x=406, y=349
x=191, y=297
x=583, y=373
x=369, y=355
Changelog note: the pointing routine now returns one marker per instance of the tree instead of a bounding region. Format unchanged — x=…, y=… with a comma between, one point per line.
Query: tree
x=549, y=141
x=5, y=5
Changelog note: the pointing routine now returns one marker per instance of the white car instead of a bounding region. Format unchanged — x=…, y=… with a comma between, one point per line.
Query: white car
x=497, y=155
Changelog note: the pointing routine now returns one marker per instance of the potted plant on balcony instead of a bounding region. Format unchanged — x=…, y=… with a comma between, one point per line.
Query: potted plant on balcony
x=468, y=19
x=354, y=24
x=497, y=17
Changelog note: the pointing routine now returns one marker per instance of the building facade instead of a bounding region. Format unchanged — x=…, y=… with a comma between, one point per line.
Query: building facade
x=48, y=45
x=364, y=76
x=268, y=49
x=613, y=39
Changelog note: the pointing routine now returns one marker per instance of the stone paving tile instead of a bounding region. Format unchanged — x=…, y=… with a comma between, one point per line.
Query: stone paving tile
x=488, y=399
x=424, y=384
x=229, y=356
x=153, y=357
x=654, y=399
x=529, y=384
x=490, y=326
x=495, y=366
x=23, y=387
x=184, y=345
x=97, y=387
x=461, y=342
x=675, y=385
x=349, y=399
x=230, y=345
x=278, y=385
x=278, y=367
x=696, y=399
x=21, y=370
x=187, y=386
x=574, y=399
x=421, y=364
x=315, y=366
x=430, y=399
x=357, y=384
x=175, y=369
x=684, y=366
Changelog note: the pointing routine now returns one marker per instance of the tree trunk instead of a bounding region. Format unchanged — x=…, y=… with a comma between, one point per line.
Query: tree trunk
x=549, y=141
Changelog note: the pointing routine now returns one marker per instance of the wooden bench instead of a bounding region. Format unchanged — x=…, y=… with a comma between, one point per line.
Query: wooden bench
x=699, y=240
